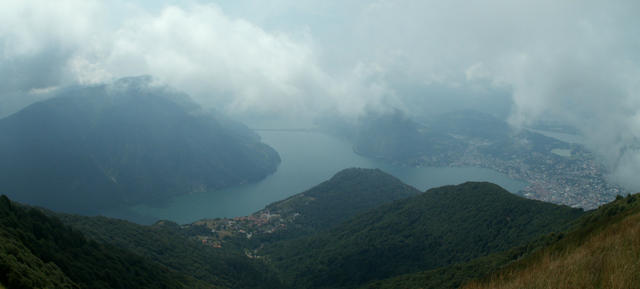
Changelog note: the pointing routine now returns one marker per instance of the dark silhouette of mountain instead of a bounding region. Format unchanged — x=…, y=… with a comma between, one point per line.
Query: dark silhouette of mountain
x=123, y=143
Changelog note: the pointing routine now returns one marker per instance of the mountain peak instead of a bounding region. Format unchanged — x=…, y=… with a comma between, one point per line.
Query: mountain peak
x=95, y=147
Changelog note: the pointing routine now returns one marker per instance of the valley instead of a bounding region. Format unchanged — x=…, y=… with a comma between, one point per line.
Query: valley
x=362, y=228
x=328, y=154
x=393, y=144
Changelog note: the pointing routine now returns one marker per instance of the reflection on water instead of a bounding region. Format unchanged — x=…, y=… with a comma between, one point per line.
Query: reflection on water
x=308, y=158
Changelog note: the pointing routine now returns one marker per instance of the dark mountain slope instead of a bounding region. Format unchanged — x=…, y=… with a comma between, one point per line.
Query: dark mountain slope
x=38, y=251
x=347, y=193
x=123, y=143
x=440, y=227
x=599, y=251
x=170, y=245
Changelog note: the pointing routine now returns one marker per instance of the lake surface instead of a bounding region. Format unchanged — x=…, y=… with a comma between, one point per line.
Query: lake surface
x=308, y=158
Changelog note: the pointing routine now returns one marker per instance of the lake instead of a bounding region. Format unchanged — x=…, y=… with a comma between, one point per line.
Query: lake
x=308, y=158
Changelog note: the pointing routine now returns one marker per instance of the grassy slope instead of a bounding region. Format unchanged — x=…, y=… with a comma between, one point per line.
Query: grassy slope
x=603, y=252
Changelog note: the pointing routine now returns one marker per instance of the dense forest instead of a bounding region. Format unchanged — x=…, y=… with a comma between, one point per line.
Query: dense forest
x=440, y=227
x=347, y=193
x=167, y=243
x=473, y=234
x=38, y=251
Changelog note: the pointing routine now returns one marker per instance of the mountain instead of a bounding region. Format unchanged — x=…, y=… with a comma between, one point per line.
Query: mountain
x=440, y=227
x=360, y=229
x=347, y=193
x=445, y=139
x=38, y=251
x=96, y=147
x=392, y=137
x=601, y=252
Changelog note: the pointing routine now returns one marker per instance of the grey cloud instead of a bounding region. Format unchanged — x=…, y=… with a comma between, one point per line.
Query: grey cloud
x=574, y=61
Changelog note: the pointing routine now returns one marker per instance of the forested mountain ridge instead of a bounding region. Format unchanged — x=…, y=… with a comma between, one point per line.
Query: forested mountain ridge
x=96, y=147
x=599, y=251
x=442, y=238
x=38, y=251
x=347, y=193
x=440, y=227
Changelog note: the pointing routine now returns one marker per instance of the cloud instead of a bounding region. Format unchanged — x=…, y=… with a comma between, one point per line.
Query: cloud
x=573, y=61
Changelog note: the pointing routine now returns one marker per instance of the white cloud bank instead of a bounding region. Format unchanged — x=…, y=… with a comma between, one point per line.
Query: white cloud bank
x=576, y=61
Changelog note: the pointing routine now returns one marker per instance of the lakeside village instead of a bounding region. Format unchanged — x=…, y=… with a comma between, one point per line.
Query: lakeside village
x=263, y=222
x=573, y=177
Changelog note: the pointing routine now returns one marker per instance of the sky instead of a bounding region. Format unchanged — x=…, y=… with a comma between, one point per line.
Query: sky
x=577, y=62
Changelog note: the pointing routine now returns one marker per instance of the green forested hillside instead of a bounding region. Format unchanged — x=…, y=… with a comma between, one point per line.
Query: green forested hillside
x=346, y=194
x=97, y=147
x=602, y=251
x=455, y=275
x=443, y=226
x=170, y=245
x=353, y=235
x=599, y=251
x=38, y=251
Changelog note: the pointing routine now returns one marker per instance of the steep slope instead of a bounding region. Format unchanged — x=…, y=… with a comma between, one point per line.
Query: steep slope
x=123, y=143
x=455, y=275
x=440, y=227
x=347, y=193
x=38, y=251
x=601, y=252
x=170, y=245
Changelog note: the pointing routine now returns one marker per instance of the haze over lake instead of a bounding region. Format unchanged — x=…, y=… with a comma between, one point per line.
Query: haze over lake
x=308, y=158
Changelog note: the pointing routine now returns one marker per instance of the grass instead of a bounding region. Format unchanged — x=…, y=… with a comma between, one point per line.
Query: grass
x=605, y=258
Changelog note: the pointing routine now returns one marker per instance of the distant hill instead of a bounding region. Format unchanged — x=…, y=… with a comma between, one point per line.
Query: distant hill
x=347, y=193
x=443, y=226
x=445, y=139
x=123, y=143
x=38, y=251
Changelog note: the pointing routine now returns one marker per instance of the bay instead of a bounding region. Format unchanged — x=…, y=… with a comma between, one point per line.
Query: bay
x=308, y=158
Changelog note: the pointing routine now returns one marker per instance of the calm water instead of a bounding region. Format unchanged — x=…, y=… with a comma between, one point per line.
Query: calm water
x=308, y=158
